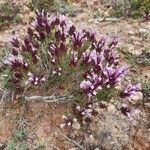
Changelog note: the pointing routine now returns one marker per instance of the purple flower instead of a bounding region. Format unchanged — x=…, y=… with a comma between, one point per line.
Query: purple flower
x=85, y=113
x=100, y=45
x=130, y=90
x=16, y=62
x=97, y=59
x=68, y=121
x=34, y=79
x=113, y=43
x=147, y=16
x=111, y=56
x=78, y=38
x=57, y=71
x=54, y=50
x=30, y=31
x=93, y=56
x=128, y=111
x=61, y=35
x=92, y=84
x=15, y=42
x=29, y=46
x=72, y=30
x=14, y=51
x=86, y=57
x=91, y=35
x=17, y=76
x=114, y=75
x=74, y=58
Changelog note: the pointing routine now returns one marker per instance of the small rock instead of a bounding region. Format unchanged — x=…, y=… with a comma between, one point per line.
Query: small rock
x=136, y=52
x=76, y=126
x=147, y=105
x=137, y=96
x=100, y=19
x=94, y=21
x=144, y=32
x=112, y=19
x=130, y=48
x=131, y=33
x=111, y=108
x=73, y=149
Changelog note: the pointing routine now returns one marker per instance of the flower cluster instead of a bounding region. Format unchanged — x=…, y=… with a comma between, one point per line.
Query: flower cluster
x=91, y=84
x=35, y=80
x=54, y=47
x=81, y=114
x=130, y=90
x=16, y=62
x=129, y=111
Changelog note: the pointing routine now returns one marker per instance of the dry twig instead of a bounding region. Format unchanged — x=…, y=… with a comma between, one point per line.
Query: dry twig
x=52, y=98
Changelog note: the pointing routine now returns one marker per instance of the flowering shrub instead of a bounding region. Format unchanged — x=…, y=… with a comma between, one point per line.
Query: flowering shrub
x=55, y=49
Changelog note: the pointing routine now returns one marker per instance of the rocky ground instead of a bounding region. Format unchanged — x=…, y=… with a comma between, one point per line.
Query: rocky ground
x=110, y=130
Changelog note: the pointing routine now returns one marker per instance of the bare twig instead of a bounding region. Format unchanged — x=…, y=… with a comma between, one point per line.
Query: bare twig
x=5, y=94
x=54, y=147
x=72, y=141
x=52, y=98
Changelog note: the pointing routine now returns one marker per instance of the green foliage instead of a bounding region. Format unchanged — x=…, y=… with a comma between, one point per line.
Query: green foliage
x=44, y=4
x=52, y=6
x=146, y=89
x=132, y=8
x=17, y=141
x=5, y=73
x=9, y=13
x=117, y=11
x=106, y=94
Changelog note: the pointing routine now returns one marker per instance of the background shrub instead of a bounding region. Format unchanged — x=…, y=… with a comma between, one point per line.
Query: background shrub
x=9, y=12
x=131, y=8
x=62, y=6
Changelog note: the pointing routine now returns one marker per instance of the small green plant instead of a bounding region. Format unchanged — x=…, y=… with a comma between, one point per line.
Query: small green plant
x=9, y=13
x=17, y=141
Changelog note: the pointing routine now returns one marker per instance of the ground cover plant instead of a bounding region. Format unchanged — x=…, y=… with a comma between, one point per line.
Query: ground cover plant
x=80, y=61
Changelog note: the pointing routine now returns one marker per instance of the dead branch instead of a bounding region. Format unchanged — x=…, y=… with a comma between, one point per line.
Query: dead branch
x=72, y=141
x=52, y=98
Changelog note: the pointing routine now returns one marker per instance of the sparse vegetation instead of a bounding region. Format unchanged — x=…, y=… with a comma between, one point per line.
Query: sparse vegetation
x=134, y=60
x=146, y=89
x=131, y=8
x=18, y=139
x=9, y=13
x=61, y=6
